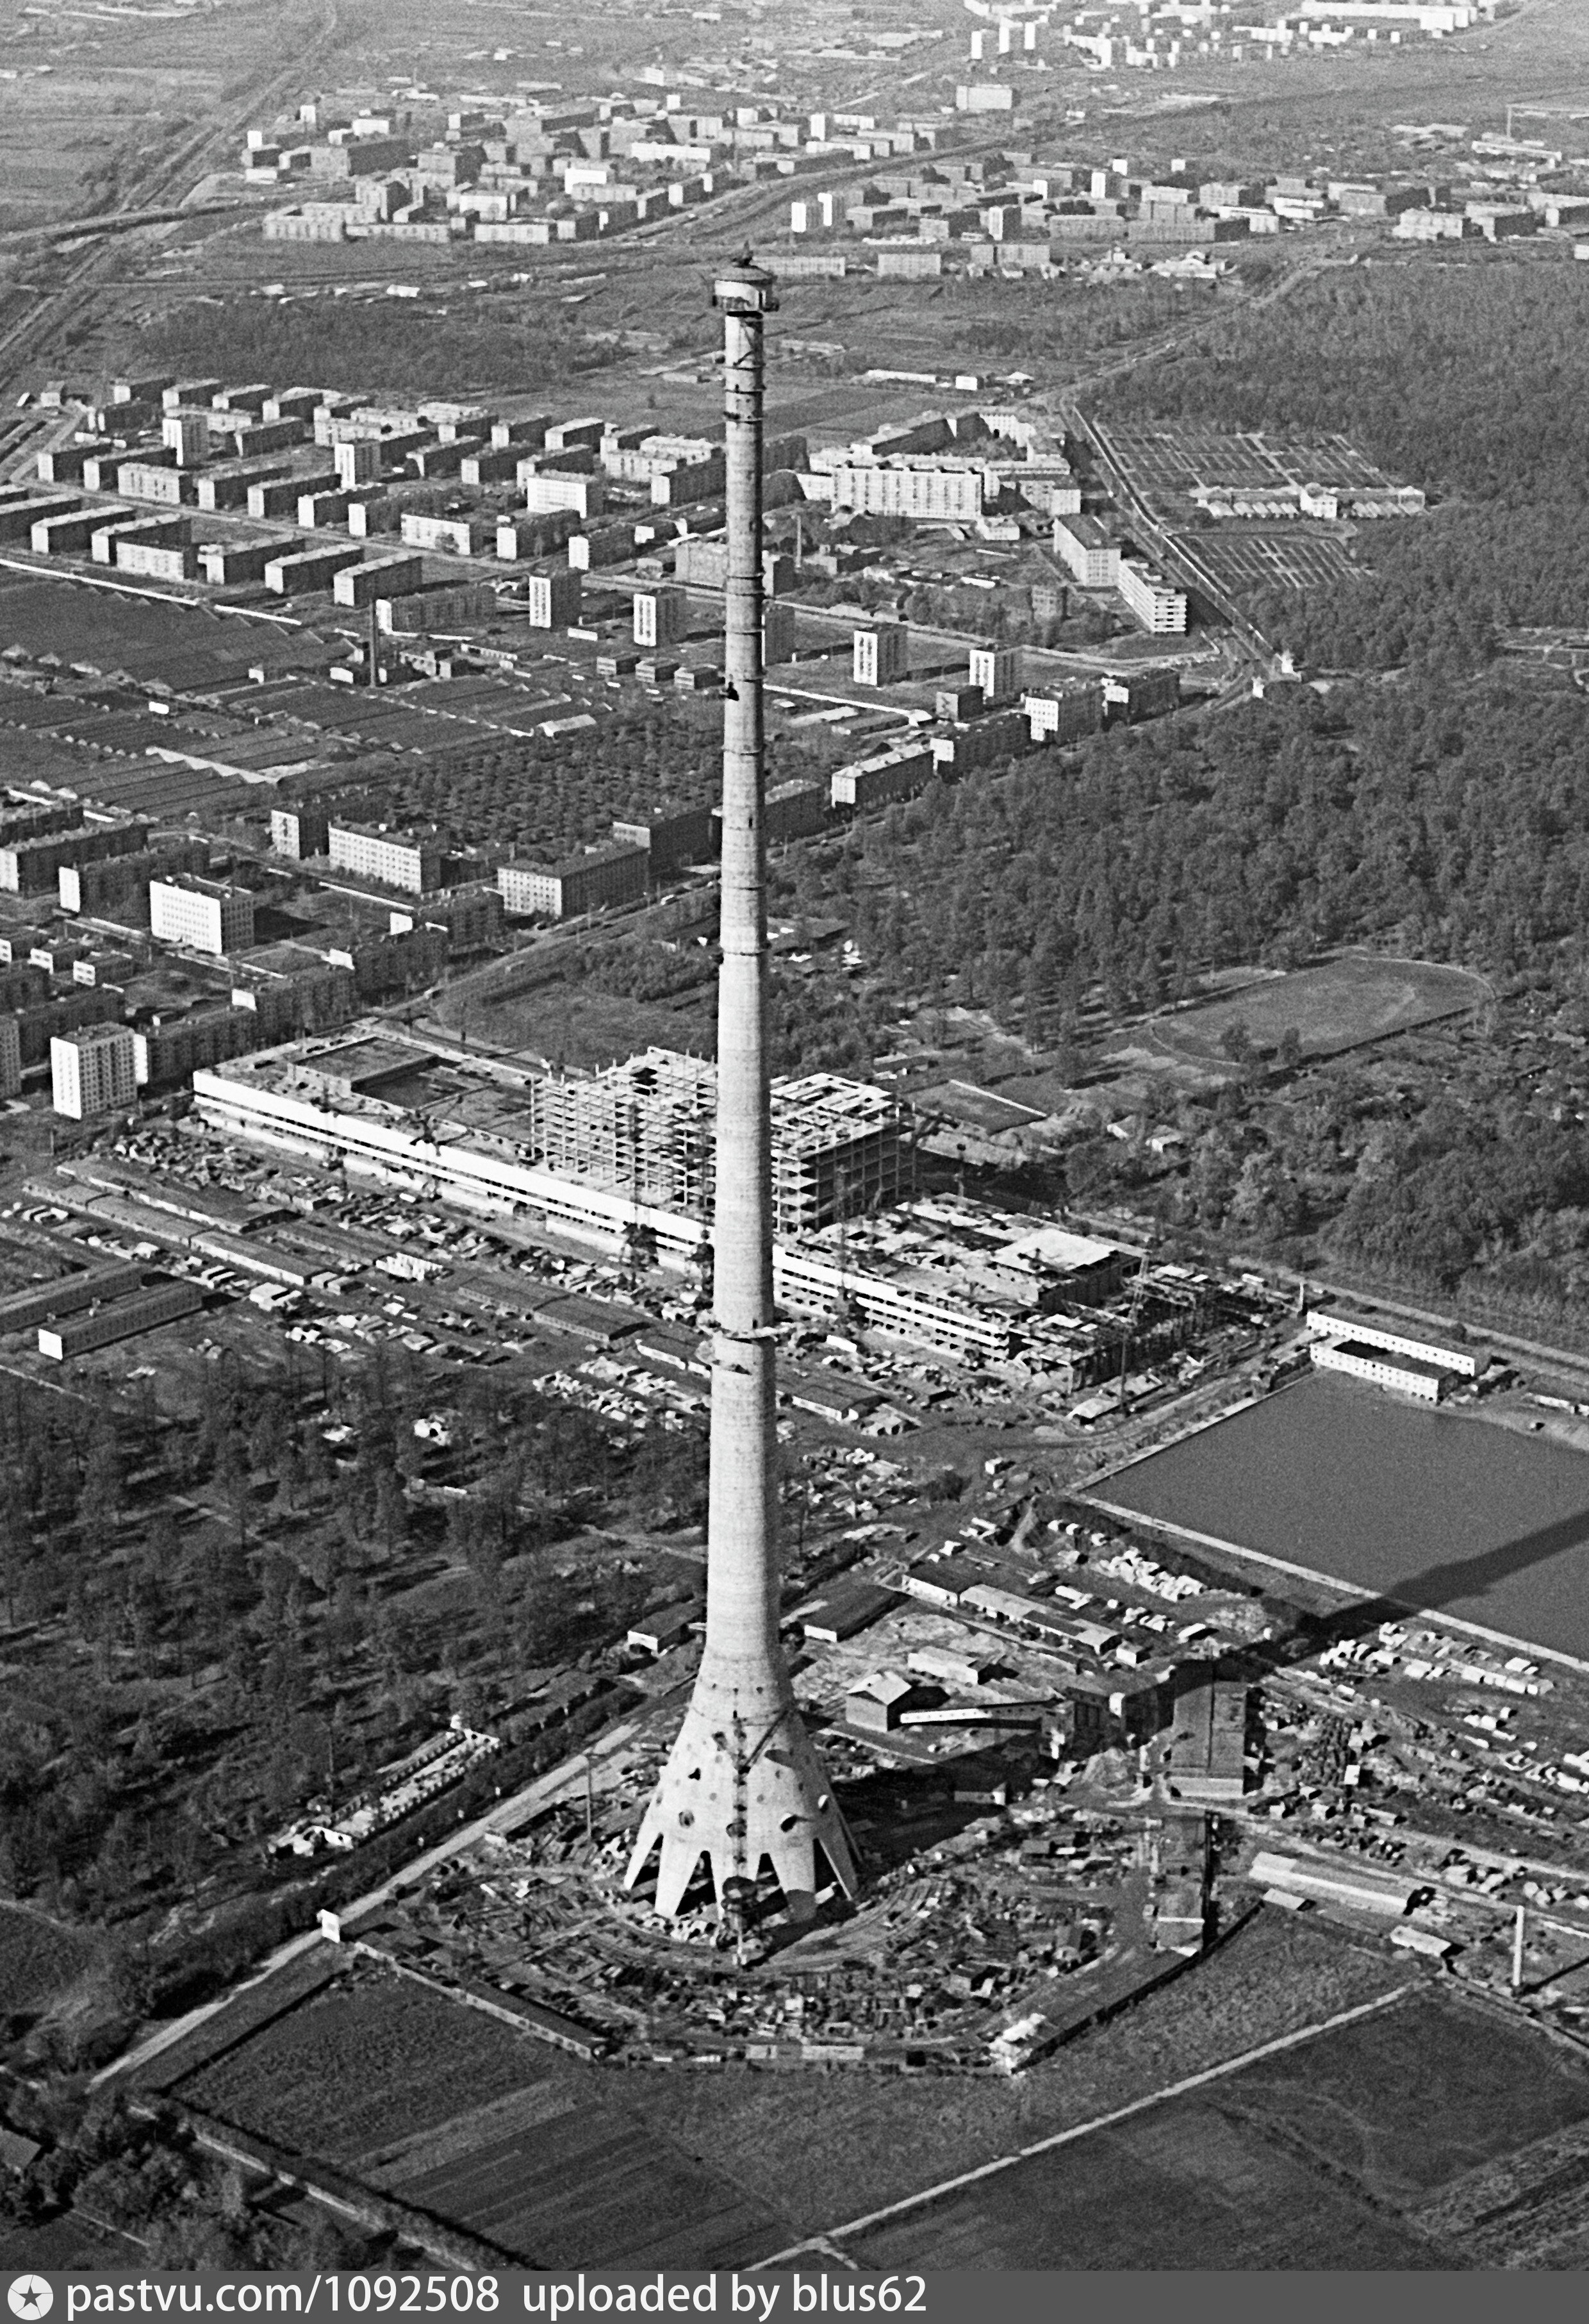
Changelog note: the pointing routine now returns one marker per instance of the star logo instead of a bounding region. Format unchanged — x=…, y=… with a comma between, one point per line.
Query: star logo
x=30, y=2298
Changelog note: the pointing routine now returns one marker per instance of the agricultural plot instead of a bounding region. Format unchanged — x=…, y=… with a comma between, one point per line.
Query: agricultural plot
x=374, y=2059
x=1294, y=559
x=1169, y=465
x=1337, y=1005
x=1332, y=2155
x=824, y=2148
x=454, y=2112
x=594, y=2185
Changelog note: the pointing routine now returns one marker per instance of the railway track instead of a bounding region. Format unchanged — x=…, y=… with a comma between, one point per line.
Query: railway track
x=157, y=188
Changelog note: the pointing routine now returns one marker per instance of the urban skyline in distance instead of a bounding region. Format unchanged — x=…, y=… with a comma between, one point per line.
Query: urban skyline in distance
x=794, y=1195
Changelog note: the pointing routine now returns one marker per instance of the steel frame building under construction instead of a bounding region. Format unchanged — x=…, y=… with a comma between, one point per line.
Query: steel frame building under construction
x=648, y=1128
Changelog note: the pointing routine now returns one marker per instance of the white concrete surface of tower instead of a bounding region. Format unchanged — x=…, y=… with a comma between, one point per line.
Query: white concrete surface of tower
x=743, y=1786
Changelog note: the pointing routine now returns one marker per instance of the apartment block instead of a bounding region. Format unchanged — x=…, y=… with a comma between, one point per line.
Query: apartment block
x=297, y=832
x=943, y=495
x=202, y=914
x=681, y=836
x=1158, y=606
x=880, y=654
x=584, y=884
x=31, y=867
x=307, y=569
x=544, y=495
x=1087, y=551
x=92, y=1073
x=555, y=600
x=995, y=669
x=383, y=576
x=395, y=859
x=778, y=635
x=661, y=616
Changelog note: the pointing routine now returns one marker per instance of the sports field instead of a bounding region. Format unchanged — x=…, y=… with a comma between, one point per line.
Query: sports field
x=1437, y=1510
x=1338, y=1005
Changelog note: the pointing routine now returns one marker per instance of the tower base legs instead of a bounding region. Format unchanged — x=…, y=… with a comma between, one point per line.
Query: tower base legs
x=742, y=1786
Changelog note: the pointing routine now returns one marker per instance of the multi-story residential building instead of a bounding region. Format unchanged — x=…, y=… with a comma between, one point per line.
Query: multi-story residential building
x=1066, y=714
x=678, y=836
x=778, y=635
x=31, y=867
x=605, y=876
x=995, y=669
x=170, y=1051
x=873, y=782
x=1158, y=606
x=92, y=1072
x=1087, y=551
x=661, y=616
x=396, y=858
x=202, y=914
x=924, y=495
x=117, y=887
x=383, y=576
x=298, y=831
x=881, y=654
x=554, y=600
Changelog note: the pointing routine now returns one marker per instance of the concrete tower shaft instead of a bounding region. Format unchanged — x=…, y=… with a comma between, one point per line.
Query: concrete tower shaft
x=742, y=1784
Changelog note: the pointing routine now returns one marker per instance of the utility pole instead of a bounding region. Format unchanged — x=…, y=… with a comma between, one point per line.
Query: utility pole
x=1516, y=1947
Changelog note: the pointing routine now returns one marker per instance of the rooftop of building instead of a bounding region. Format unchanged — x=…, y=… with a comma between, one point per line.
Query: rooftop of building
x=1390, y=1359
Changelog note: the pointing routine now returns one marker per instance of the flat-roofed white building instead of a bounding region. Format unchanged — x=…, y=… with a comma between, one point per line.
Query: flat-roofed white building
x=1331, y=1324
x=396, y=858
x=93, y=1072
x=995, y=669
x=1087, y=551
x=1408, y=1375
x=202, y=914
x=944, y=495
x=1157, y=603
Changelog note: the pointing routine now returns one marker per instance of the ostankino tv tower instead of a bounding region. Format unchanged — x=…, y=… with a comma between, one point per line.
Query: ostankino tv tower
x=743, y=1786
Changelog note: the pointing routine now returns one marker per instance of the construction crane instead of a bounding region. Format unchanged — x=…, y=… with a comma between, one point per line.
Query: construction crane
x=1132, y=1314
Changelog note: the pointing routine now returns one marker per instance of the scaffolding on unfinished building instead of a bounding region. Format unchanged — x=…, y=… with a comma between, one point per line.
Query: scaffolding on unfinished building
x=839, y=1149
x=647, y=1128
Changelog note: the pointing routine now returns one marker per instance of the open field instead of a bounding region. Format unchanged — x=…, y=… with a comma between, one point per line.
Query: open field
x=821, y=2148
x=1338, y=1006
x=595, y=2184
x=371, y=2059
x=1313, y=2159
x=1435, y=1510
x=456, y=2113
x=575, y=2166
